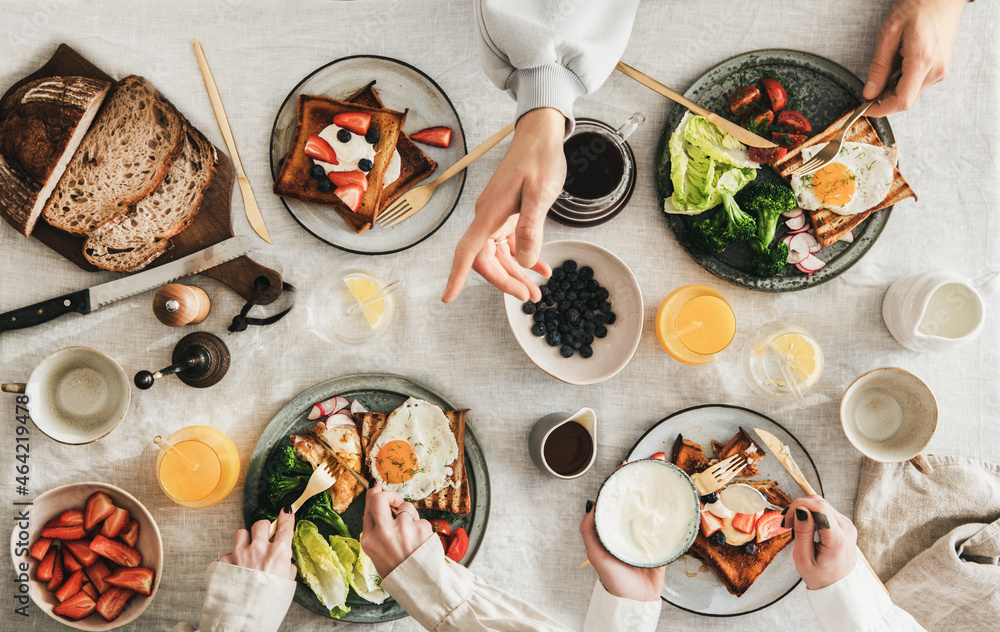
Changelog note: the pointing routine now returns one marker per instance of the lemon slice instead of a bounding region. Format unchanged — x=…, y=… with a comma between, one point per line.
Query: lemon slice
x=803, y=356
x=361, y=289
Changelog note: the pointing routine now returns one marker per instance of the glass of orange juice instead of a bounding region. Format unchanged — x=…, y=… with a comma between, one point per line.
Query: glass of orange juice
x=695, y=324
x=197, y=466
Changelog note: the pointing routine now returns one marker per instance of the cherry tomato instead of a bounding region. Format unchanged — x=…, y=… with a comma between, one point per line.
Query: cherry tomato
x=745, y=100
x=792, y=121
x=766, y=156
x=776, y=93
x=444, y=542
x=790, y=141
x=441, y=527
x=458, y=545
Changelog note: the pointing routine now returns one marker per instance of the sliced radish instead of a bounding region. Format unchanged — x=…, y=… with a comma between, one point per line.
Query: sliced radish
x=787, y=240
x=847, y=238
x=339, y=419
x=796, y=223
x=810, y=264
x=356, y=408
x=327, y=407
x=804, y=229
x=798, y=248
x=795, y=212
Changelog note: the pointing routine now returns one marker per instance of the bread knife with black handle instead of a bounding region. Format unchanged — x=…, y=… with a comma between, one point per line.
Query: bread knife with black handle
x=86, y=301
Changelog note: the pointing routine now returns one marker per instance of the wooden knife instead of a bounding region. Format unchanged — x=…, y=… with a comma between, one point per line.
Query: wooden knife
x=357, y=476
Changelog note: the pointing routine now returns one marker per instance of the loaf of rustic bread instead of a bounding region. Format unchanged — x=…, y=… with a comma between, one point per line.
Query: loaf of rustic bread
x=123, y=158
x=41, y=125
x=144, y=233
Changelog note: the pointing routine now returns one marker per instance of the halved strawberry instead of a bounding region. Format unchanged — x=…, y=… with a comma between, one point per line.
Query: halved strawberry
x=91, y=591
x=769, y=525
x=356, y=122
x=138, y=579
x=710, y=523
x=113, y=602
x=70, y=562
x=76, y=607
x=64, y=533
x=114, y=523
x=131, y=535
x=660, y=456
x=72, y=586
x=97, y=572
x=118, y=552
x=99, y=507
x=58, y=574
x=785, y=139
x=776, y=93
x=344, y=178
x=40, y=548
x=350, y=195
x=744, y=522
x=319, y=149
x=46, y=567
x=435, y=136
x=68, y=518
x=81, y=551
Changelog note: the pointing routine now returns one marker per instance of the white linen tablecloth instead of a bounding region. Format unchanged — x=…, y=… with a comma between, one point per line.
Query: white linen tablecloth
x=465, y=351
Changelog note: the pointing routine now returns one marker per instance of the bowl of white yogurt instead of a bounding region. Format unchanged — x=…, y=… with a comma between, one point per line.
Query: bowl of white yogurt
x=647, y=513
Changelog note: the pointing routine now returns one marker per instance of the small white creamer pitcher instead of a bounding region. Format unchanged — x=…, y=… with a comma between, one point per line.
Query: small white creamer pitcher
x=937, y=310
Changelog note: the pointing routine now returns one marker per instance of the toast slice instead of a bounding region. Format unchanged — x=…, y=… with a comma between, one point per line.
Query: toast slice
x=123, y=158
x=41, y=125
x=743, y=443
x=455, y=500
x=144, y=233
x=414, y=164
x=830, y=226
x=314, y=114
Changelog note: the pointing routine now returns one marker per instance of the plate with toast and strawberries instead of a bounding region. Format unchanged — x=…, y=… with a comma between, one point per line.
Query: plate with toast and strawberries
x=353, y=136
x=739, y=563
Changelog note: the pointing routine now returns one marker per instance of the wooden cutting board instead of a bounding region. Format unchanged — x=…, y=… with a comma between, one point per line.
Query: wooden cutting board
x=211, y=225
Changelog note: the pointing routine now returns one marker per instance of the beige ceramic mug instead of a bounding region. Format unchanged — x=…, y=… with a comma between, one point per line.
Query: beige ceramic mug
x=76, y=395
x=890, y=415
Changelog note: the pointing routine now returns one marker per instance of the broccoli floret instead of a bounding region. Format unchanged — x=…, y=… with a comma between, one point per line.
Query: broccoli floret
x=286, y=475
x=318, y=510
x=728, y=225
x=766, y=202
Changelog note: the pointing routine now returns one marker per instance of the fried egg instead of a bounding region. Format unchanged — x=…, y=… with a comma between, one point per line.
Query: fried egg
x=414, y=453
x=857, y=179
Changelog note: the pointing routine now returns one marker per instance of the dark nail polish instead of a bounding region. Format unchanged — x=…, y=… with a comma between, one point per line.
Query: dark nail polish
x=590, y=506
x=784, y=511
x=801, y=515
x=287, y=509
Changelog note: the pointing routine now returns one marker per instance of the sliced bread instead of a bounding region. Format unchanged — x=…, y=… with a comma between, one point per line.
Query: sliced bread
x=41, y=125
x=123, y=158
x=145, y=231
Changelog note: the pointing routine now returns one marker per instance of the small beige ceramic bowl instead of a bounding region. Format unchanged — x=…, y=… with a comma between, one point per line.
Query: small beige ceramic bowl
x=74, y=496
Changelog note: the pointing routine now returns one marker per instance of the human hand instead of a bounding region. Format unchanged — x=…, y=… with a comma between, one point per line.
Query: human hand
x=253, y=550
x=389, y=540
x=513, y=207
x=834, y=556
x=922, y=32
x=618, y=578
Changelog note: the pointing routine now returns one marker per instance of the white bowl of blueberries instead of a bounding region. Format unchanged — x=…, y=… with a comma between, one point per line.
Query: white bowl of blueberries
x=587, y=325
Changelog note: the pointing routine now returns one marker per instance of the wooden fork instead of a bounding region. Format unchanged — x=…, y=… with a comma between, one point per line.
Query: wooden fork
x=715, y=478
x=415, y=199
x=322, y=479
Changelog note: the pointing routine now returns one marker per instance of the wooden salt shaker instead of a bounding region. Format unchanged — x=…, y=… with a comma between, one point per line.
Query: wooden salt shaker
x=176, y=305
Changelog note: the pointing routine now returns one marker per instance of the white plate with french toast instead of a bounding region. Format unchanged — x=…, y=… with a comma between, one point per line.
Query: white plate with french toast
x=379, y=394
x=400, y=101
x=708, y=584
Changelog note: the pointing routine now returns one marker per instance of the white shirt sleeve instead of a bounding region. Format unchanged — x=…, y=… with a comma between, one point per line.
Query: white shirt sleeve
x=857, y=603
x=242, y=600
x=608, y=613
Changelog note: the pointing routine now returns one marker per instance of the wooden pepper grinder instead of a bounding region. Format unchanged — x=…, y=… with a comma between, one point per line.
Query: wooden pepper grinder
x=176, y=305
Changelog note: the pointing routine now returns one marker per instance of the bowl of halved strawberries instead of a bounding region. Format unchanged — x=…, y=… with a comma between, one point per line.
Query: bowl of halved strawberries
x=90, y=555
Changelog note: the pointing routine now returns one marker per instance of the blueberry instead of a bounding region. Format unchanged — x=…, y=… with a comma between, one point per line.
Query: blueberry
x=372, y=136
x=577, y=344
x=588, y=338
x=317, y=172
x=563, y=307
x=586, y=273
x=343, y=136
x=324, y=185
x=528, y=308
x=538, y=317
x=559, y=296
x=365, y=165
x=565, y=285
x=600, y=331
x=718, y=538
x=593, y=285
x=573, y=276
x=579, y=306
x=593, y=303
x=541, y=306
x=605, y=307
x=551, y=325
x=612, y=318
x=589, y=326
x=569, y=265
x=586, y=351
x=553, y=338
x=572, y=296
x=566, y=351
x=588, y=315
x=562, y=328
x=750, y=548
x=600, y=318
x=574, y=316
x=538, y=329
x=558, y=274
x=602, y=293
x=579, y=285
x=583, y=295
x=545, y=290
x=550, y=314
x=708, y=499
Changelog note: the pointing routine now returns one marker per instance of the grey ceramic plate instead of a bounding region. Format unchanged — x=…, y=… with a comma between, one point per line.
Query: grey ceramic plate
x=378, y=393
x=687, y=586
x=821, y=90
x=401, y=87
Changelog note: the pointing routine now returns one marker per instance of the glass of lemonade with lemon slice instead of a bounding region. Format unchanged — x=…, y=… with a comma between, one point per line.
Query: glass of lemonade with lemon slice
x=782, y=361
x=331, y=316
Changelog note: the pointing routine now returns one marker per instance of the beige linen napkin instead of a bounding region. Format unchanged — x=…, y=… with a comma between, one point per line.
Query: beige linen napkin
x=935, y=540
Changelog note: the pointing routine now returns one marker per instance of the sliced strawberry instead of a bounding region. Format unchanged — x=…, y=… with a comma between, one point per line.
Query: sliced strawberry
x=97, y=572
x=434, y=136
x=113, y=602
x=319, y=149
x=76, y=607
x=776, y=93
x=46, y=567
x=131, y=535
x=766, y=156
x=710, y=523
x=40, y=548
x=769, y=525
x=118, y=552
x=91, y=591
x=745, y=100
x=350, y=195
x=68, y=518
x=58, y=574
x=72, y=586
x=70, y=562
x=356, y=122
x=660, y=456
x=744, y=523
x=344, y=178
x=138, y=579
x=114, y=523
x=791, y=141
x=99, y=507
x=81, y=551
x=793, y=122
x=64, y=533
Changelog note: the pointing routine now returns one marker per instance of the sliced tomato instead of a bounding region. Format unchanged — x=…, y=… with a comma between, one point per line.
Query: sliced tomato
x=744, y=523
x=436, y=136
x=710, y=523
x=356, y=122
x=758, y=121
x=785, y=139
x=793, y=122
x=319, y=149
x=458, y=545
x=775, y=93
x=342, y=178
x=744, y=100
x=441, y=526
x=766, y=156
x=350, y=195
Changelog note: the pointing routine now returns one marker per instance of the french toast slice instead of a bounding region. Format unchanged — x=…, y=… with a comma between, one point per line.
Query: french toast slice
x=414, y=165
x=294, y=181
x=830, y=226
x=451, y=499
x=741, y=443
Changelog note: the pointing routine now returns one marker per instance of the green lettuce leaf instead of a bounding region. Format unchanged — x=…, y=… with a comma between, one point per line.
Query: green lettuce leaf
x=363, y=577
x=320, y=567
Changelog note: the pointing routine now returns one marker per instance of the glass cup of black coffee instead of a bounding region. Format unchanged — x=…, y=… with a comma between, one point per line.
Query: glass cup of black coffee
x=598, y=166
